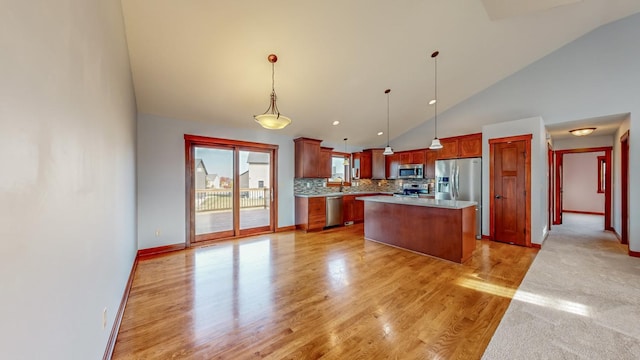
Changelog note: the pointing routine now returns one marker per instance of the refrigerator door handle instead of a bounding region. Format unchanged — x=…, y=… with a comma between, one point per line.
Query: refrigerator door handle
x=456, y=184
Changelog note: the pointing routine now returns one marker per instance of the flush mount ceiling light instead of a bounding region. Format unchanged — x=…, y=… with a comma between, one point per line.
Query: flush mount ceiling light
x=581, y=132
x=435, y=143
x=272, y=119
x=387, y=150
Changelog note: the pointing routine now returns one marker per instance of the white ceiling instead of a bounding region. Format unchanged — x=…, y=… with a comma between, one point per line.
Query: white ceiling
x=206, y=60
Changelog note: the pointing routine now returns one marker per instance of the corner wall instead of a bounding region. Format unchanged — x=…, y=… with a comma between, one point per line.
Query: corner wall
x=67, y=189
x=539, y=174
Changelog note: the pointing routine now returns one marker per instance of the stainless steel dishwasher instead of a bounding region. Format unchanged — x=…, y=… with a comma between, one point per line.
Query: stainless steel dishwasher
x=334, y=210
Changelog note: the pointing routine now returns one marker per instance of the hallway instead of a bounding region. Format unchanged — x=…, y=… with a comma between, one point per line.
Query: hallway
x=580, y=299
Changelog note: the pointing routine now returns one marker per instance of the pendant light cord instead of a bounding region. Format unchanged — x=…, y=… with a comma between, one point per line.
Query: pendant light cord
x=387, y=92
x=435, y=58
x=387, y=119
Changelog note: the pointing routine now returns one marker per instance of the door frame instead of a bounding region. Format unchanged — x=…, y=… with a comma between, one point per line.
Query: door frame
x=559, y=154
x=550, y=170
x=624, y=192
x=190, y=142
x=527, y=166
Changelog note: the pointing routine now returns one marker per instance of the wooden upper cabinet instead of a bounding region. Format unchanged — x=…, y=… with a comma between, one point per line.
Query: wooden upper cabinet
x=307, y=157
x=365, y=165
x=461, y=147
x=449, y=149
x=324, y=165
x=470, y=145
x=392, y=163
x=405, y=157
x=418, y=157
x=430, y=164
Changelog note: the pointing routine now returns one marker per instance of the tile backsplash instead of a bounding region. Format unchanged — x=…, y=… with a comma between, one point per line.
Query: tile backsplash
x=312, y=186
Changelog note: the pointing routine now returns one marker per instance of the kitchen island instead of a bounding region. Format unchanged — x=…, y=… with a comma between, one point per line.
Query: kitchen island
x=440, y=228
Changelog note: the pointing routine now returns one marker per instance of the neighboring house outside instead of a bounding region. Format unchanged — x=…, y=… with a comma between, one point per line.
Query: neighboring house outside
x=212, y=181
x=258, y=170
x=201, y=175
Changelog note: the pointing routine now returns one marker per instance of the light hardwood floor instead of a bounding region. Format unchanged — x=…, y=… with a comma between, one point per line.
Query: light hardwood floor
x=330, y=295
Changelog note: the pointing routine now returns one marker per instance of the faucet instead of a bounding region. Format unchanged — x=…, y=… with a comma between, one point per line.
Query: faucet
x=341, y=185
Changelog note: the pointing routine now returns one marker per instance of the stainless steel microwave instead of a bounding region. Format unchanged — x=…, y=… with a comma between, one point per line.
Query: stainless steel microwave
x=411, y=171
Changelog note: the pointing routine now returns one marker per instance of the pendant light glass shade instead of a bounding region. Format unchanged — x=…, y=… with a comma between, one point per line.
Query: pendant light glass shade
x=387, y=150
x=435, y=143
x=272, y=119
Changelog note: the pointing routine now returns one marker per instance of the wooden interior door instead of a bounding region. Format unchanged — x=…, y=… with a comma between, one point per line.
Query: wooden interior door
x=557, y=220
x=509, y=191
x=624, y=193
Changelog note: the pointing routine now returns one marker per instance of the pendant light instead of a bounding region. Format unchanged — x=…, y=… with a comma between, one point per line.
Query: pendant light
x=387, y=150
x=272, y=119
x=435, y=143
x=346, y=160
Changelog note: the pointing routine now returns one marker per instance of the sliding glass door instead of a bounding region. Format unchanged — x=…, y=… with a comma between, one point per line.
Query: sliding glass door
x=230, y=188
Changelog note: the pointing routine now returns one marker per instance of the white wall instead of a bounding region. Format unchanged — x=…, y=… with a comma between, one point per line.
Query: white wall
x=582, y=142
x=580, y=183
x=617, y=180
x=595, y=75
x=539, y=174
x=161, y=174
x=67, y=189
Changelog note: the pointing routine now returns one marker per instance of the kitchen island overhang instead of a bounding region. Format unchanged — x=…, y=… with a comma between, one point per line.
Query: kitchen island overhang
x=439, y=228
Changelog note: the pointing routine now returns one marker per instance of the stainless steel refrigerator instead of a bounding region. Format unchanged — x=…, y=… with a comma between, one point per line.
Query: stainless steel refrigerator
x=461, y=179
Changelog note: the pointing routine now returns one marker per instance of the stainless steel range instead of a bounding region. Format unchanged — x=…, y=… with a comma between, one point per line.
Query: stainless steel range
x=413, y=190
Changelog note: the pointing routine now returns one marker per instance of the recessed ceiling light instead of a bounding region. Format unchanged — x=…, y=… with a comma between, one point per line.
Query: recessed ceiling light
x=380, y=133
x=433, y=101
x=336, y=123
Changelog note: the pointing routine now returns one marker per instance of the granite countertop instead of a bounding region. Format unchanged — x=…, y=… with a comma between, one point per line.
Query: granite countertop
x=448, y=204
x=344, y=193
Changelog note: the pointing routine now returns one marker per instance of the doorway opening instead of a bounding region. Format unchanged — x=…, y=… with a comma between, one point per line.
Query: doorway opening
x=231, y=188
x=587, y=182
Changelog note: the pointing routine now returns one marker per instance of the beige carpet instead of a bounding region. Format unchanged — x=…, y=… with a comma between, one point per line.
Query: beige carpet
x=579, y=300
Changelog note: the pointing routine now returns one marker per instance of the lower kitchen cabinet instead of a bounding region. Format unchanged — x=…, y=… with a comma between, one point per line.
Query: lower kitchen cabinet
x=310, y=213
x=353, y=210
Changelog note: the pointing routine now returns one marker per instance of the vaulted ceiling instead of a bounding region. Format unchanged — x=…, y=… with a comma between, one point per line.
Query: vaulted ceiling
x=206, y=60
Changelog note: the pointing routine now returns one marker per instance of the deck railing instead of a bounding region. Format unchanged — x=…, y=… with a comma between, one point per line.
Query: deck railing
x=222, y=199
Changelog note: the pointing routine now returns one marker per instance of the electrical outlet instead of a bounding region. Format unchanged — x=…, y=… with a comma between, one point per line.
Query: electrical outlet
x=158, y=233
x=104, y=318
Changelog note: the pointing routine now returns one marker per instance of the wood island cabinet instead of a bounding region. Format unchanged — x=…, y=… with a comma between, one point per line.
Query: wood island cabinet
x=310, y=213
